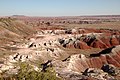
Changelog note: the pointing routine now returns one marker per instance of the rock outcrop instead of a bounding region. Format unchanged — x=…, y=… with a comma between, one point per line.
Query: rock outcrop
x=108, y=56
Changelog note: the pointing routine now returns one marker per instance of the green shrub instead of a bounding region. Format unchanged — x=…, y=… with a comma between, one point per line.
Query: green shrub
x=26, y=72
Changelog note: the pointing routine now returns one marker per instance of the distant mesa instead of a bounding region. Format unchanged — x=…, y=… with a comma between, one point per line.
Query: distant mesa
x=19, y=16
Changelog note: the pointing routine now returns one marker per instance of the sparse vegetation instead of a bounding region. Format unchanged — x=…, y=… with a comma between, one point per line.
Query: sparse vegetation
x=104, y=25
x=26, y=72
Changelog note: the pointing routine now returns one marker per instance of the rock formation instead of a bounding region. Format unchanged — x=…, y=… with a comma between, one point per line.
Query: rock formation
x=69, y=51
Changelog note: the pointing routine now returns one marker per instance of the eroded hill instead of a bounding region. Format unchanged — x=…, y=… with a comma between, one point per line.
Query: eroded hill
x=79, y=53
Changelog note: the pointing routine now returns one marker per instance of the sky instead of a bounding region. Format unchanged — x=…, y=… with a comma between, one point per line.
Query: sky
x=59, y=7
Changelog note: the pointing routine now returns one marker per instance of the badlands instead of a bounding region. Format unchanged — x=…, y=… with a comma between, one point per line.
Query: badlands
x=70, y=45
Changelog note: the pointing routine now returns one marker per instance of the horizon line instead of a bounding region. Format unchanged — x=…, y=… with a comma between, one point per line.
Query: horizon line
x=61, y=15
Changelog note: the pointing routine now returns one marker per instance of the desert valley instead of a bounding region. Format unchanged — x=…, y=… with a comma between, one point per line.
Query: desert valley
x=60, y=48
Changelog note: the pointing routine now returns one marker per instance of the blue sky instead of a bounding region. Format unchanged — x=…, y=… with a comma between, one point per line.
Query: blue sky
x=59, y=7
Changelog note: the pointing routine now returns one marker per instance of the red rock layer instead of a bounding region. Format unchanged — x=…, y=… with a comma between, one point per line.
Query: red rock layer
x=97, y=43
x=80, y=62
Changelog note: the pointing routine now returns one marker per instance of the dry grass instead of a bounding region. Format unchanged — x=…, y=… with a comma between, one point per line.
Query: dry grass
x=13, y=31
x=86, y=52
x=3, y=54
x=104, y=25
